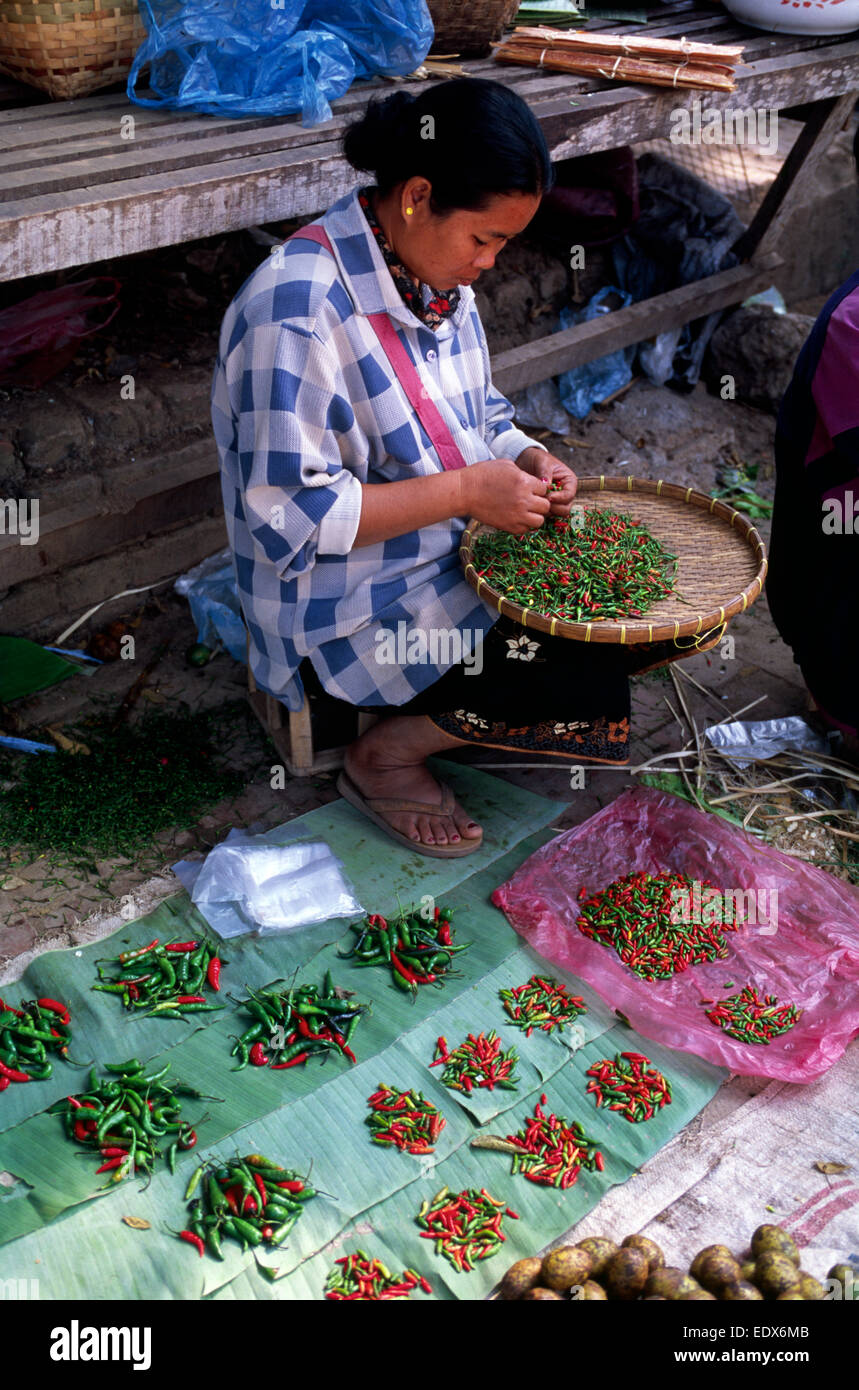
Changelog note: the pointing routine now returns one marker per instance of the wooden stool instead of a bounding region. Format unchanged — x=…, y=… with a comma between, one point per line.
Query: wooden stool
x=291, y=731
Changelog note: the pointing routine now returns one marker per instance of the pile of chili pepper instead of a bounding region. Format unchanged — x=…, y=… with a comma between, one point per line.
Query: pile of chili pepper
x=629, y=1084
x=466, y=1226
x=752, y=1019
x=253, y=1200
x=608, y=567
x=27, y=1035
x=541, y=1003
x=416, y=950
x=405, y=1119
x=553, y=1150
x=166, y=979
x=358, y=1277
x=292, y=1025
x=478, y=1061
x=638, y=916
x=125, y=1117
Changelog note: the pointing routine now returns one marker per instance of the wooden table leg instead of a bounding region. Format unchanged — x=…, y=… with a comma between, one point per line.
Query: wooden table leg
x=823, y=122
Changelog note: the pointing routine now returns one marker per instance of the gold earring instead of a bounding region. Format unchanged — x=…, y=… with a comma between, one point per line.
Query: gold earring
x=409, y=211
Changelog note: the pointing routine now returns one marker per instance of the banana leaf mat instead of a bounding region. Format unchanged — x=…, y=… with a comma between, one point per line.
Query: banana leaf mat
x=55, y=1227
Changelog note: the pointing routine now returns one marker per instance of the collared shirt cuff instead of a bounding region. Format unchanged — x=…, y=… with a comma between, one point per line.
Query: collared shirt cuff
x=509, y=444
x=338, y=528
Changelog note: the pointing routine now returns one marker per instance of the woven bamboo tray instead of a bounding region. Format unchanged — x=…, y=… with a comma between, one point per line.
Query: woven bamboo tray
x=721, y=563
x=469, y=30
x=68, y=48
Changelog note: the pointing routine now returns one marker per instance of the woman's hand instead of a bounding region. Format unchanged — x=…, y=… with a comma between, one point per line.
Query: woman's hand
x=501, y=494
x=539, y=464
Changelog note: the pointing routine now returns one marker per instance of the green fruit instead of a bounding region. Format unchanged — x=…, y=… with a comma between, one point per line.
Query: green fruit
x=775, y=1273
x=742, y=1291
x=714, y=1267
x=601, y=1249
x=776, y=1240
x=848, y=1277
x=648, y=1247
x=199, y=654
x=697, y=1296
x=792, y=1296
x=664, y=1283
x=811, y=1289
x=747, y=1270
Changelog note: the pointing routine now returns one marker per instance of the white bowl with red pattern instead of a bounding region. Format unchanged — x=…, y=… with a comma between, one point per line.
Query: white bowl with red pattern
x=797, y=16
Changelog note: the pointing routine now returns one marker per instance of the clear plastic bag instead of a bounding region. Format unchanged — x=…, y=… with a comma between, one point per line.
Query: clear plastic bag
x=811, y=959
x=248, y=884
x=264, y=58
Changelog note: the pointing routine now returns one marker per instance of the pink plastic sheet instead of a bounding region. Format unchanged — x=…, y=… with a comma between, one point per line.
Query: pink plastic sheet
x=801, y=940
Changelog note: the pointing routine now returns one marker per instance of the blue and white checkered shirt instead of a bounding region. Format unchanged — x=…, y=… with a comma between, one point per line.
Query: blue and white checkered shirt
x=306, y=408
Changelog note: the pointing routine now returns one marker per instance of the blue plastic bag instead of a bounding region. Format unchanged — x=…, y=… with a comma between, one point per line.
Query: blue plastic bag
x=587, y=385
x=264, y=58
x=213, y=594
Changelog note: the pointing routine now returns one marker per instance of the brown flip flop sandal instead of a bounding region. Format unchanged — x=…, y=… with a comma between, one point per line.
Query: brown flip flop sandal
x=374, y=807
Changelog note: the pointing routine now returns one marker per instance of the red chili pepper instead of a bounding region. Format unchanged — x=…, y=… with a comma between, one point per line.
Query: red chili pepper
x=258, y=1056
x=133, y=955
x=281, y=1066
x=113, y=1151
x=250, y=1206
x=196, y=1241
x=182, y=946
x=232, y=1200
x=57, y=1008
x=4, y=1083
x=213, y=974
x=188, y=1140
x=261, y=1189
x=267, y=1232
x=292, y=1185
x=12, y=1075
x=9, y=1010
x=111, y=1163
x=190, y=999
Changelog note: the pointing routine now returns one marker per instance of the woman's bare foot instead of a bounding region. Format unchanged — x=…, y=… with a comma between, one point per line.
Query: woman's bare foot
x=389, y=761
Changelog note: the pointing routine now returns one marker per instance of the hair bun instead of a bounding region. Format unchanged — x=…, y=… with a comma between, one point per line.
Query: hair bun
x=368, y=142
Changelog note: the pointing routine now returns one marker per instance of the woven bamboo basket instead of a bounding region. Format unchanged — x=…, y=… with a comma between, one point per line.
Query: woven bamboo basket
x=68, y=48
x=469, y=30
x=721, y=565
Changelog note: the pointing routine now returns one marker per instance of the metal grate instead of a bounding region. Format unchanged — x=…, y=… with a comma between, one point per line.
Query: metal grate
x=742, y=172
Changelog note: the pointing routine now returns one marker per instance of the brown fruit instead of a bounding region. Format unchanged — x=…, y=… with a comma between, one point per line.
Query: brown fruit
x=848, y=1277
x=648, y=1247
x=589, y=1292
x=565, y=1267
x=742, y=1291
x=810, y=1288
x=520, y=1278
x=775, y=1273
x=664, y=1283
x=747, y=1270
x=696, y=1295
x=717, y=1270
x=775, y=1240
x=543, y=1294
x=626, y=1274
x=602, y=1249
x=792, y=1296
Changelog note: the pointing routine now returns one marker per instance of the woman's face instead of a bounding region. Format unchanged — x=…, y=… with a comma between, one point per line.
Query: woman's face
x=453, y=248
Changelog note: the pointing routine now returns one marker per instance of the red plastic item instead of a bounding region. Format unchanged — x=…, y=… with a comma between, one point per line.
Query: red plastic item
x=811, y=959
x=39, y=336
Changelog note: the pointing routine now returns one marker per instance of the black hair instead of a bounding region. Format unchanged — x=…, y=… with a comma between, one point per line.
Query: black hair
x=471, y=138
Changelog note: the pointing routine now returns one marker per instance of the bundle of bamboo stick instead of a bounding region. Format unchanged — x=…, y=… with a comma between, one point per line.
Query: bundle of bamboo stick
x=659, y=62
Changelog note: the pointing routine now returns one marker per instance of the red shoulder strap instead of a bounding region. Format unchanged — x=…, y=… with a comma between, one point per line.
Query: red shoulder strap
x=404, y=369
